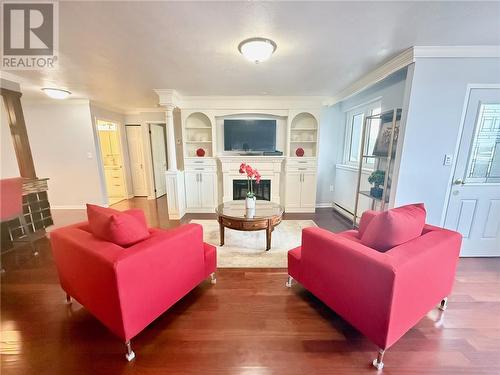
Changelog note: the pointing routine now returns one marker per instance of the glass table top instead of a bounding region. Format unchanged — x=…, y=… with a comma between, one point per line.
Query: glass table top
x=237, y=210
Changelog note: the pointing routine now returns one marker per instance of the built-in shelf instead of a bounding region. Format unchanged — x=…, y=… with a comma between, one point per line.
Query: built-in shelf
x=198, y=126
x=374, y=156
x=307, y=124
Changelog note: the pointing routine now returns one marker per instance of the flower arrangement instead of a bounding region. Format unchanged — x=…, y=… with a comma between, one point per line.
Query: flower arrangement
x=251, y=175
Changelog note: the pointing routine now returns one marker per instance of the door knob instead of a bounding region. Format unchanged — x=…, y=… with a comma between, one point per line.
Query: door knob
x=458, y=181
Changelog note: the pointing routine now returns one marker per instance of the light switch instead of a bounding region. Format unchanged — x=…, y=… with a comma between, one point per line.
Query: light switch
x=89, y=155
x=448, y=159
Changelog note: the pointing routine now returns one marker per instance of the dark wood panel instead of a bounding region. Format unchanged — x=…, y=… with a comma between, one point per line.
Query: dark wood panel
x=248, y=323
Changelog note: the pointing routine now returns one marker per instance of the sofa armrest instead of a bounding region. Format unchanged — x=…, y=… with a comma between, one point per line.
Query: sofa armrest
x=425, y=272
x=354, y=280
x=85, y=266
x=155, y=273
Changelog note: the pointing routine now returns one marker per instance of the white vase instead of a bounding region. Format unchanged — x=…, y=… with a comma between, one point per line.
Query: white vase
x=250, y=202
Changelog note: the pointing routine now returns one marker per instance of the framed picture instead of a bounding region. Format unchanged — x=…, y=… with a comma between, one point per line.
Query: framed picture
x=381, y=147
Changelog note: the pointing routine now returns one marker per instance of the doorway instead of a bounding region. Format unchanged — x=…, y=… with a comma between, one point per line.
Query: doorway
x=474, y=201
x=137, y=164
x=112, y=160
x=158, y=141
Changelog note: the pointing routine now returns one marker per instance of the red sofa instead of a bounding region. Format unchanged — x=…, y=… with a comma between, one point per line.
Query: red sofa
x=382, y=294
x=127, y=288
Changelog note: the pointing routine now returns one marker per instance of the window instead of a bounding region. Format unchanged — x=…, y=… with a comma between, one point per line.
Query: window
x=354, y=130
x=484, y=158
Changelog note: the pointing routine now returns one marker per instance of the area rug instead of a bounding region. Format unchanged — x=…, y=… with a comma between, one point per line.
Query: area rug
x=248, y=249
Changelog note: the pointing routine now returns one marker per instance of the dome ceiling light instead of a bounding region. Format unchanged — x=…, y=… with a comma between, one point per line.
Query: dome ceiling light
x=257, y=49
x=56, y=93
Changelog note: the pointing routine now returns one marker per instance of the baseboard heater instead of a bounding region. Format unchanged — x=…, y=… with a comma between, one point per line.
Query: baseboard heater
x=343, y=211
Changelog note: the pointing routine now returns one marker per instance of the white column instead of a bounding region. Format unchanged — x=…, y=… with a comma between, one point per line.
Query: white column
x=172, y=160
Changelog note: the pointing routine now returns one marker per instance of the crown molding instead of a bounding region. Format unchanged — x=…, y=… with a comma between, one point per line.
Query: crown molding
x=408, y=57
x=398, y=62
x=420, y=52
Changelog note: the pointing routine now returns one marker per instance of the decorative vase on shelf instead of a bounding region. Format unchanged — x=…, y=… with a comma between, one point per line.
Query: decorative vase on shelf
x=376, y=192
x=299, y=152
x=200, y=152
x=250, y=203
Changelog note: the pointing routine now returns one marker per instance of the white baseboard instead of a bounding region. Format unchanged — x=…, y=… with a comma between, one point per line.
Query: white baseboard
x=324, y=205
x=69, y=207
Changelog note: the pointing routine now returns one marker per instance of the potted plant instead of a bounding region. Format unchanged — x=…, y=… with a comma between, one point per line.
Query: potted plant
x=377, y=179
x=252, y=174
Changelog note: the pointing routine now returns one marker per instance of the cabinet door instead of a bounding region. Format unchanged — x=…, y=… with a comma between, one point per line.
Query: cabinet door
x=308, y=191
x=293, y=189
x=208, y=190
x=192, y=189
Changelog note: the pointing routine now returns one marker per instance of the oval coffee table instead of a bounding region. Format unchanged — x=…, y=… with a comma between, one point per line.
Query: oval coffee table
x=266, y=216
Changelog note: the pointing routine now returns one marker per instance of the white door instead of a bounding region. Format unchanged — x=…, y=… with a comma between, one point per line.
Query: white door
x=135, y=151
x=308, y=190
x=207, y=190
x=293, y=188
x=159, y=156
x=474, y=204
x=192, y=189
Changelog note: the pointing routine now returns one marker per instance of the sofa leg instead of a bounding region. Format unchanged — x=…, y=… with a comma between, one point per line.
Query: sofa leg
x=378, y=362
x=68, y=299
x=288, y=284
x=213, y=279
x=130, y=355
x=444, y=304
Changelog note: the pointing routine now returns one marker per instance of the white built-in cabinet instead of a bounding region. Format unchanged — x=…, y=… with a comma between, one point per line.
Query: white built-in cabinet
x=200, y=173
x=301, y=172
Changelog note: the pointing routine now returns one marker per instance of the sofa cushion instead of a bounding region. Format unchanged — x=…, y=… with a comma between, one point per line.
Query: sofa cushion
x=120, y=228
x=394, y=227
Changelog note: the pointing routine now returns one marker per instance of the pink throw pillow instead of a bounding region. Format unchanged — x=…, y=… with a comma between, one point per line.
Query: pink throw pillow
x=121, y=228
x=394, y=227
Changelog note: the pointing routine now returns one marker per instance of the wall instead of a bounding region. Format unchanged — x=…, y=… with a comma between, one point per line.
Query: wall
x=63, y=148
x=435, y=108
x=144, y=118
x=99, y=113
x=390, y=92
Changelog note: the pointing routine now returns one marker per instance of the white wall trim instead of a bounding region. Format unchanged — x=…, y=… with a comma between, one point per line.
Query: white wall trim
x=408, y=57
x=324, y=205
x=400, y=61
x=456, y=51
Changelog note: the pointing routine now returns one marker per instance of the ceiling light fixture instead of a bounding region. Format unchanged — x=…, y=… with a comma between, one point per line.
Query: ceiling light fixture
x=257, y=49
x=56, y=93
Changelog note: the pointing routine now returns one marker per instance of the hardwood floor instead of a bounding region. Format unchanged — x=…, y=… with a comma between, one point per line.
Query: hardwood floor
x=248, y=323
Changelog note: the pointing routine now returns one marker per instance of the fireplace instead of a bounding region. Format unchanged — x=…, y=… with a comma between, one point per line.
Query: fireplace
x=262, y=191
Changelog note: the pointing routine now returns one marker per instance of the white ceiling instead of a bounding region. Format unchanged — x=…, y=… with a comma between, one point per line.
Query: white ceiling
x=116, y=53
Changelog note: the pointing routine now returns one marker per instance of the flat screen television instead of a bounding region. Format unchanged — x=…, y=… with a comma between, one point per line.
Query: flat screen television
x=249, y=135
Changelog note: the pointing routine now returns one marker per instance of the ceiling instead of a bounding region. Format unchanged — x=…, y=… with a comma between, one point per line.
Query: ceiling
x=116, y=53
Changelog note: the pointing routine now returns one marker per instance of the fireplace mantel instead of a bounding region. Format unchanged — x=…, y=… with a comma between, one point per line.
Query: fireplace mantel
x=270, y=168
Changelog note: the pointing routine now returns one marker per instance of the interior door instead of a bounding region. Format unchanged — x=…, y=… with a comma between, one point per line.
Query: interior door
x=135, y=151
x=159, y=156
x=474, y=204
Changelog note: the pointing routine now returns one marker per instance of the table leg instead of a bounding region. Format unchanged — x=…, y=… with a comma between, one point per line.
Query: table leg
x=221, y=227
x=269, y=231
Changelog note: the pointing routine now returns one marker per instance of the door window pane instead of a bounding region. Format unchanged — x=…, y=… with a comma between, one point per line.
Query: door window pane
x=484, y=158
